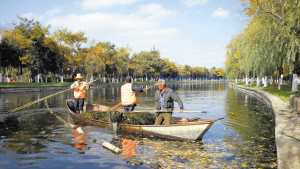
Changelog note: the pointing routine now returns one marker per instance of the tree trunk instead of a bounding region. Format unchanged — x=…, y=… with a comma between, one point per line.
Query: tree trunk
x=295, y=74
x=61, y=75
x=257, y=81
x=8, y=74
x=92, y=77
x=21, y=73
x=266, y=81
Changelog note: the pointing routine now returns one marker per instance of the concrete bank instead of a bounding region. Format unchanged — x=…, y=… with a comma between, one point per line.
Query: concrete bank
x=287, y=128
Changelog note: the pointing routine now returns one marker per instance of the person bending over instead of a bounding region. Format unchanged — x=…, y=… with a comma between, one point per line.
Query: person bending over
x=128, y=95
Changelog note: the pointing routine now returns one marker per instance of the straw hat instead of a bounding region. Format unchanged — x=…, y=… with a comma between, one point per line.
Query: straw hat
x=78, y=76
x=161, y=82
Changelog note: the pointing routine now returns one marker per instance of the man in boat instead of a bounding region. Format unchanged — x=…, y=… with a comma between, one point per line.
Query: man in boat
x=164, y=103
x=128, y=95
x=79, y=87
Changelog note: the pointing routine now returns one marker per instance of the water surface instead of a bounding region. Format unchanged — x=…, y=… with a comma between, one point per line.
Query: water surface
x=35, y=138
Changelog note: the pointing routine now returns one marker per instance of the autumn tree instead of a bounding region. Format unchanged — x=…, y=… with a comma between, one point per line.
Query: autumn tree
x=270, y=40
x=70, y=49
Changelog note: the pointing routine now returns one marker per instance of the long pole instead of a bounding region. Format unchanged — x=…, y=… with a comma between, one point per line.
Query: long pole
x=162, y=111
x=31, y=103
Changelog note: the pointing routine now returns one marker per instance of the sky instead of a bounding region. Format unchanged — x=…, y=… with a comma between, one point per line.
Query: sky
x=187, y=32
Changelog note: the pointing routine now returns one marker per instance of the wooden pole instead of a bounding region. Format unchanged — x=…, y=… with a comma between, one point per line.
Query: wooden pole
x=160, y=111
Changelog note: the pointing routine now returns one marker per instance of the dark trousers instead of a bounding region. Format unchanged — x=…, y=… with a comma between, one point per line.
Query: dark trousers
x=78, y=103
x=128, y=109
x=163, y=117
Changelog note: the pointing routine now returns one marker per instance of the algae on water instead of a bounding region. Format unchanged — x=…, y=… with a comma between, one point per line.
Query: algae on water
x=143, y=118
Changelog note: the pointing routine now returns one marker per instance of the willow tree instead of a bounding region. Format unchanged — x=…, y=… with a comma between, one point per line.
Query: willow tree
x=271, y=39
x=280, y=20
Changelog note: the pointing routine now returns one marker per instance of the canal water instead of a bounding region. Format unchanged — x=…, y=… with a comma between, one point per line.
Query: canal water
x=35, y=138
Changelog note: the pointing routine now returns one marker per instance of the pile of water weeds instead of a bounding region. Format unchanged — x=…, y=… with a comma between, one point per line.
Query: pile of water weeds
x=142, y=118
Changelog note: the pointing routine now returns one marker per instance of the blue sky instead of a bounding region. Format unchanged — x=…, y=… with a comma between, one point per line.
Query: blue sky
x=188, y=32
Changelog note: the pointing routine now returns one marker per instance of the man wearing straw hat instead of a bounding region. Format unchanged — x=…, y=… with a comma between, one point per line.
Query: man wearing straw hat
x=79, y=92
x=164, y=101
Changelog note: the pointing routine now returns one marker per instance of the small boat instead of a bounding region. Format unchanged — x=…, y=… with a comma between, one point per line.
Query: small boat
x=180, y=128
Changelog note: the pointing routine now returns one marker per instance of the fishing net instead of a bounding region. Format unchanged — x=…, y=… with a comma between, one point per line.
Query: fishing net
x=143, y=118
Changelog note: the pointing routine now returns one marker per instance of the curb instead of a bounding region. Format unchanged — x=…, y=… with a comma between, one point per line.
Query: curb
x=287, y=128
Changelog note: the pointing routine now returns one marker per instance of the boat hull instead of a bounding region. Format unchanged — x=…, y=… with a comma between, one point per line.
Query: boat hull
x=180, y=128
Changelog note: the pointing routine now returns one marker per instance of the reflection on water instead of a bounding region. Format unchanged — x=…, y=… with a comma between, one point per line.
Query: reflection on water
x=34, y=138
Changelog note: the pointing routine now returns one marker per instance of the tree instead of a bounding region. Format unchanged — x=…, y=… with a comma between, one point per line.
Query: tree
x=151, y=63
x=213, y=72
x=270, y=41
x=70, y=49
x=29, y=39
x=220, y=73
x=187, y=71
x=170, y=69
x=180, y=70
x=94, y=61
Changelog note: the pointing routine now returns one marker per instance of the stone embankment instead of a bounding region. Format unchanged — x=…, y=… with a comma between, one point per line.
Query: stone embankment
x=287, y=126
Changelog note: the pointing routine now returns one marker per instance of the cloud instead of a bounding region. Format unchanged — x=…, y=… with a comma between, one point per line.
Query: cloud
x=155, y=11
x=220, y=13
x=40, y=17
x=102, y=22
x=143, y=27
x=95, y=4
x=216, y=46
x=168, y=32
x=192, y=3
x=33, y=16
x=148, y=18
x=52, y=12
x=198, y=57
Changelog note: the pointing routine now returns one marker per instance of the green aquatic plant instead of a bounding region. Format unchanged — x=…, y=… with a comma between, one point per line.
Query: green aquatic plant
x=143, y=118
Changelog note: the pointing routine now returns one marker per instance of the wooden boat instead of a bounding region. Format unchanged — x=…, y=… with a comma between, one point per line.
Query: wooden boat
x=180, y=128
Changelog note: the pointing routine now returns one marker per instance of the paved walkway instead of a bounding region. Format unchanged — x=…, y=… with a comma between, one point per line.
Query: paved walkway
x=287, y=129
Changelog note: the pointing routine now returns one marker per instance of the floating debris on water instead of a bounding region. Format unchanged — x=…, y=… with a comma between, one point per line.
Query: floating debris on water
x=142, y=118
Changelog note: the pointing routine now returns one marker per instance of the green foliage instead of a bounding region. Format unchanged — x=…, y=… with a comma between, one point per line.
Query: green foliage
x=28, y=44
x=143, y=118
x=269, y=43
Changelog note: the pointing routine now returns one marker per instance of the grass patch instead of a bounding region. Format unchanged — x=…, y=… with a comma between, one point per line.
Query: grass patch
x=284, y=93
